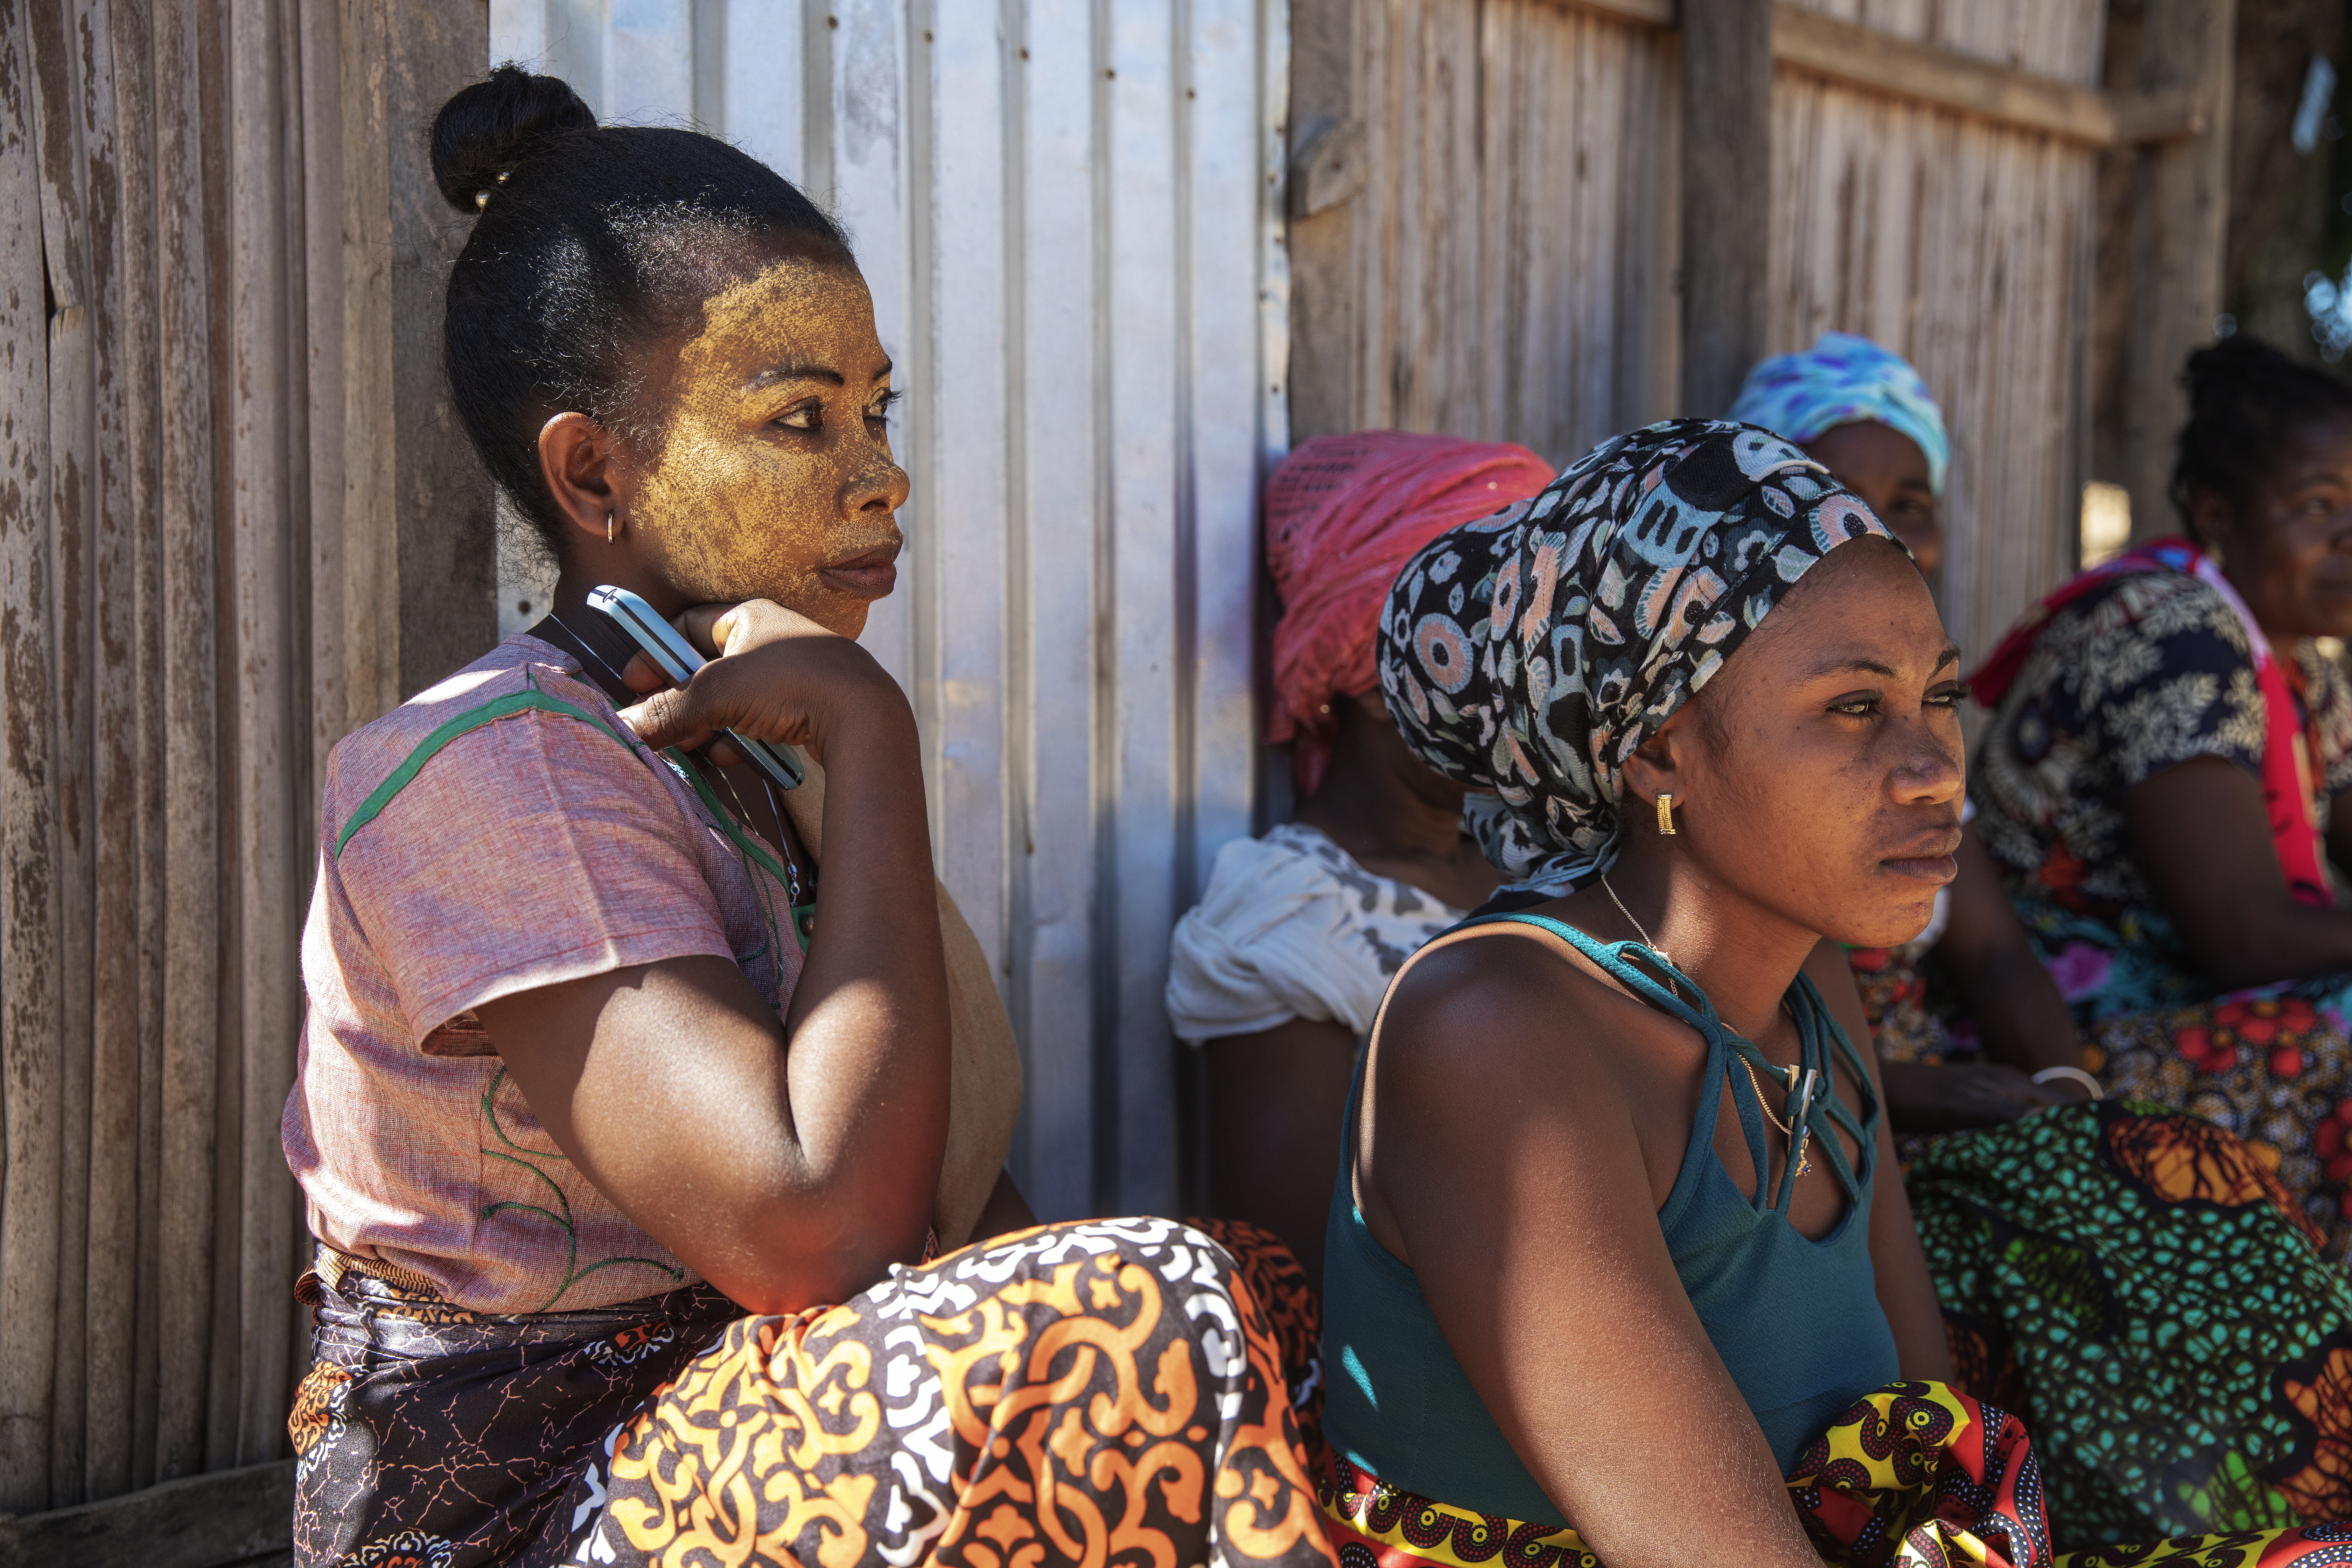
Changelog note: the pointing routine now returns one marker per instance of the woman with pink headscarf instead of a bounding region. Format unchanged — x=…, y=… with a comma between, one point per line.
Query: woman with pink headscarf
x=1279, y=969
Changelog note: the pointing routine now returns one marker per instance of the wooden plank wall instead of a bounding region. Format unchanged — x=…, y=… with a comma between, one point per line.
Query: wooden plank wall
x=1068, y=213
x=1966, y=248
x=230, y=529
x=1506, y=268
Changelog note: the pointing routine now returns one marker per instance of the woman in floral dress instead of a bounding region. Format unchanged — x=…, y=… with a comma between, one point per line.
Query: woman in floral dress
x=2158, y=778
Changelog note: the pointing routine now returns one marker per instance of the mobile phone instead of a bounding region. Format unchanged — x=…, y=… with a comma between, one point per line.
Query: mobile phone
x=674, y=657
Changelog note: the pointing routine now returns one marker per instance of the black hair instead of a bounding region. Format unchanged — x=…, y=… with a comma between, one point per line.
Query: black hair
x=2245, y=397
x=589, y=241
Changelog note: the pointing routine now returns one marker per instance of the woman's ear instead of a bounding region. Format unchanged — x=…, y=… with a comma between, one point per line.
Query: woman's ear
x=1660, y=764
x=2212, y=521
x=579, y=459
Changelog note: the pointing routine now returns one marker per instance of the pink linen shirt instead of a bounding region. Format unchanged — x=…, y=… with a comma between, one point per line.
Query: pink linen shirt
x=498, y=833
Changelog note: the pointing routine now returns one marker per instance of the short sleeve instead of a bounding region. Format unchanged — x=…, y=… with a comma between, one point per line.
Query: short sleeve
x=2171, y=681
x=2329, y=696
x=533, y=850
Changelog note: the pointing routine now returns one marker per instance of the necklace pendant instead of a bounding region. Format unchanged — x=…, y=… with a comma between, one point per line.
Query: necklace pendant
x=1804, y=1160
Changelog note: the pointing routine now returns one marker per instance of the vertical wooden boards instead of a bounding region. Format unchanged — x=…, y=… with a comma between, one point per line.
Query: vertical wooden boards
x=73, y=480
x=2177, y=246
x=180, y=560
x=447, y=567
x=1507, y=271
x=271, y=755
x=186, y=85
x=1959, y=244
x=140, y=387
x=31, y=1035
x=370, y=535
x=1067, y=212
x=1510, y=267
x=1727, y=103
x=111, y=1222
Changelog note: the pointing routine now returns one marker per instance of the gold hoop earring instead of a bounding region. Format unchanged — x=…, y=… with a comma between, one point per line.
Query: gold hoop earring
x=608, y=528
x=1666, y=814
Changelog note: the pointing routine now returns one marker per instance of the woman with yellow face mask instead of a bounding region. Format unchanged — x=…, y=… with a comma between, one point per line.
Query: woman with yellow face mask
x=642, y=1106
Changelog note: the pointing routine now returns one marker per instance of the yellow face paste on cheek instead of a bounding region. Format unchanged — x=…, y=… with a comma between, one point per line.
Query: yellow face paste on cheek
x=768, y=472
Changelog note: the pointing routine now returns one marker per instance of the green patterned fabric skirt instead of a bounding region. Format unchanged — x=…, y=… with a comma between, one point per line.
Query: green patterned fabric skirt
x=2140, y=1287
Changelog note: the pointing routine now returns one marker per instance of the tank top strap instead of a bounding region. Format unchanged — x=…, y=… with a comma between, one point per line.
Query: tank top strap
x=1811, y=1100
x=1675, y=999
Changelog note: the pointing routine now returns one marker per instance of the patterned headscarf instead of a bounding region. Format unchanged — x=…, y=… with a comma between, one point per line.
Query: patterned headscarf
x=1530, y=653
x=1342, y=513
x=1843, y=380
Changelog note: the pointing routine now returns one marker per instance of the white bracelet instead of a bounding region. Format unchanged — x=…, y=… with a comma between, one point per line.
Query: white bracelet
x=2077, y=1074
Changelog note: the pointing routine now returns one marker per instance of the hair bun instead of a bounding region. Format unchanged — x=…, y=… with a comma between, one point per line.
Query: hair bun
x=491, y=126
x=2221, y=373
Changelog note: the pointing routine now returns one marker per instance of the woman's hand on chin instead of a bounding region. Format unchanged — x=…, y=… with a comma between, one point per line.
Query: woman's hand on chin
x=773, y=675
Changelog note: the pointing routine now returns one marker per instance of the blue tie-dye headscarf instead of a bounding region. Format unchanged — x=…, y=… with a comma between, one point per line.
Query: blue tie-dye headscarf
x=1840, y=380
x=1530, y=652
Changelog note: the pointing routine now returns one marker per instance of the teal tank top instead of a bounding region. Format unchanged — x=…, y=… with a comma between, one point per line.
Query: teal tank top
x=1796, y=1322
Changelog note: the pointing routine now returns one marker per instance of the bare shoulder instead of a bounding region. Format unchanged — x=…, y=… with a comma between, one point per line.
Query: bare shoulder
x=1485, y=1006
x=1508, y=1076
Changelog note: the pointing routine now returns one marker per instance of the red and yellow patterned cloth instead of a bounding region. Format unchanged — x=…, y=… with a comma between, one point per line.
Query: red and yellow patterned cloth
x=1917, y=1475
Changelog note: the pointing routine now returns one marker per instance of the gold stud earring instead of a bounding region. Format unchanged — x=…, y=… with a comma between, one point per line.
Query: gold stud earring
x=1667, y=814
x=608, y=528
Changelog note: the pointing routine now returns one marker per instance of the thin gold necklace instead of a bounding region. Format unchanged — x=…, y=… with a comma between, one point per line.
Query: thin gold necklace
x=1630, y=921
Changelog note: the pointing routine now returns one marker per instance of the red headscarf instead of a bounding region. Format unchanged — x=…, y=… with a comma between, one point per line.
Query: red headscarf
x=1343, y=514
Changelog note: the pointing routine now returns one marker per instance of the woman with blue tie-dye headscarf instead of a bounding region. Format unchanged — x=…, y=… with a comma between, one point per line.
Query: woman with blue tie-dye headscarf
x=1864, y=413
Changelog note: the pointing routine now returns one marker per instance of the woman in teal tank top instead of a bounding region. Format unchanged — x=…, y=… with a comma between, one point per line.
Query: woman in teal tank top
x=1619, y=1233
x=1618, y=1264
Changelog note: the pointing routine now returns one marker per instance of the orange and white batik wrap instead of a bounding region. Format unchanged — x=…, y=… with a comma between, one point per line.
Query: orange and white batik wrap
x=1106, y=1393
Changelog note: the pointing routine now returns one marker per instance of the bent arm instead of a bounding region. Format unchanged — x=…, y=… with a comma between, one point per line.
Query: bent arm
x=1899, y=1263
x=2201, y=834
x=1506, y=1160
x=790, y=1162
x=2023, y=1019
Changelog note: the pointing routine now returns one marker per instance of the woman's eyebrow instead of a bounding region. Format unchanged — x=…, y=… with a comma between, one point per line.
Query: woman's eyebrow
x=1849, y=664
x=1856, y=663
x=776, y=372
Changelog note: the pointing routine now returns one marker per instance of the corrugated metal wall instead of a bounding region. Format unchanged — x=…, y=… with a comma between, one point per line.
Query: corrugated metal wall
x=1068, y=214
x=1966, y=247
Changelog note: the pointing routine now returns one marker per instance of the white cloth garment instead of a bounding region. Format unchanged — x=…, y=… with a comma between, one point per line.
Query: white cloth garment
x=1291, y=926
